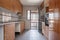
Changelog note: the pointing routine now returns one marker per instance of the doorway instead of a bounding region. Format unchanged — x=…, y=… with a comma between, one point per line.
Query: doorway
x=34, y=20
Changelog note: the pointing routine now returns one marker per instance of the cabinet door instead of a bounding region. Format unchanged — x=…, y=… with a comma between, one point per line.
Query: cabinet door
x=55, y=33
x=52, y=5
x=46, y=3
x=22, y=26
x=9, y=32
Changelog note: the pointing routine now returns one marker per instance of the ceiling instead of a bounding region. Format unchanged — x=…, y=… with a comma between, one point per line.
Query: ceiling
x=31, y=2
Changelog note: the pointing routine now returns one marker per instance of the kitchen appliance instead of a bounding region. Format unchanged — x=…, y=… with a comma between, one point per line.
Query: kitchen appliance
x=46, y=19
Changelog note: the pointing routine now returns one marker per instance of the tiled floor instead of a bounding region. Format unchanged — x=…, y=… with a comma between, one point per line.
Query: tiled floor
x=31, y=35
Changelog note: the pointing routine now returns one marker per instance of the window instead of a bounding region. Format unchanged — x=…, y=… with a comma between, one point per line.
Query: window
x=28, y=14
x=6, y=17
x=34, y=17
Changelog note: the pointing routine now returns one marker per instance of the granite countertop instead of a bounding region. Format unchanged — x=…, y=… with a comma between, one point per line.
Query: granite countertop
x=3, y=23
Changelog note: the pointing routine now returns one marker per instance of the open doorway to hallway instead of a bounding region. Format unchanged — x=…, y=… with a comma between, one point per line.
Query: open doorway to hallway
x=33, y=16
x=34, y=20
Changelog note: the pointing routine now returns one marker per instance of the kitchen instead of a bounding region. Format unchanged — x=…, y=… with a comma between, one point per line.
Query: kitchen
x=16, y=18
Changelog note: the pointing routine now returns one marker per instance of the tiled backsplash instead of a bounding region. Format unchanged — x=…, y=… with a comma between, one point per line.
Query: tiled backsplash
x=7, y=16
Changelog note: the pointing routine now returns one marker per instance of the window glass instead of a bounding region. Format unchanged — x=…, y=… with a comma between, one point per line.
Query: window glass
x=28, y=14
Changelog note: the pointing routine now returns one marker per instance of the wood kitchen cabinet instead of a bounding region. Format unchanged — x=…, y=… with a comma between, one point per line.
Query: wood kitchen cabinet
x=46, y=2
x=12, y=5
x=9, y=31
x=22, y=26
x=45, y=30
x=54, y=19
x=52, y=5
x=42, y=5
x=53, y=9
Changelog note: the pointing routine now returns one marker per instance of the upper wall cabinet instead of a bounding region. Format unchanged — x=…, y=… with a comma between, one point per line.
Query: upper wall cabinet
x=13, y=5
x=46, y=3
x=52, y=5
x=42, y=5
x=18, y=6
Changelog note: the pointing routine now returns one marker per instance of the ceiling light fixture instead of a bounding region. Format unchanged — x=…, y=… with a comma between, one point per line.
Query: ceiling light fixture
x=34, y=1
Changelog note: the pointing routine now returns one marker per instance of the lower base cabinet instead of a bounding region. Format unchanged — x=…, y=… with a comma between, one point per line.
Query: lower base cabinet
x=45, y=30
x=9, y=31
x=22, y=26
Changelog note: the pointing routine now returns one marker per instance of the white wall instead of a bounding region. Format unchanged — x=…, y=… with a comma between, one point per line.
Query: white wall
x=25, y=8
x=1, y=33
